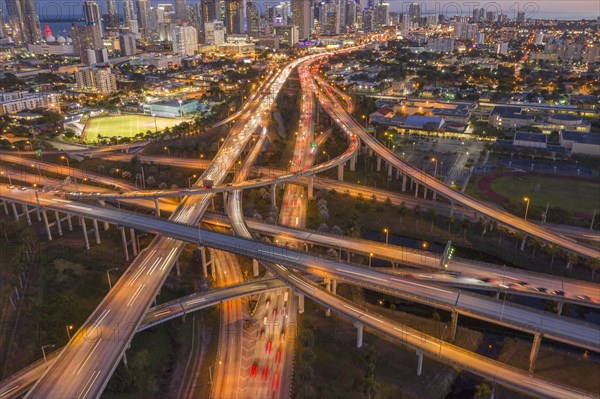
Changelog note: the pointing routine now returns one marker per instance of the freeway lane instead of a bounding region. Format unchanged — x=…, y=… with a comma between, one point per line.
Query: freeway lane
x=344, y=119
x=561, y=329
x=20, y=382
x=86, y=364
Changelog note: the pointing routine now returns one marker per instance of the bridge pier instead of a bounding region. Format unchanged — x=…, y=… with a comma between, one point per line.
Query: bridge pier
x=420, y=362
x=397, y=174
x=300, y=303
x=47, y=225
x=535, y=347
x=206, y=263
x=255, y=270
x=353, y=163
x=26, y=212
x=334, y=287
x=177, y=268
x=58, y=223
x=434, y=195
x=359, y=334
x=404, y=178
x=124, y=240
x=451, y=208
x=453, y=325
x=273, y=195
x=133, y=242
x=523, y=243
x=69, y=222
x=424, y=192
x=14, y=208
x=311, y=186
x=417, y=191
x=560, y=307
x=85, y=233
x=156, y=208
x=125, y=360
x=5, y=207
x=379, y=164
x=96, y=231
x=390, y=170
x=341, y=172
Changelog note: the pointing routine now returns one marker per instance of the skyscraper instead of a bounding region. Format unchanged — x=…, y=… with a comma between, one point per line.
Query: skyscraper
x=215, y=32
x=253, y=19
x=88, y=43
x=185, y=40
x=24, y=21
x=1, y=22
x=235, y=16
x=143, y=11
x=112, y=14
x=211, y=10
x=181, y=10
x=91, y=12
x=382, y=15
x=127, y=44
x=128, y=11
x=301, y=16
x=414, y=10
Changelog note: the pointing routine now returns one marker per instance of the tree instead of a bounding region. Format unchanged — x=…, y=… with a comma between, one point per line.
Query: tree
x=450, y=222
x=401, y=211
x=554, y=250
x=573, y=260
x=534, y=243
x=369, y=386
x=594, y=264
x=417, y=211
x=432, y=215
x=482, y=391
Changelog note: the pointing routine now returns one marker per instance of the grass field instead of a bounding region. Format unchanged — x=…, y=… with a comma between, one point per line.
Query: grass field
x=572, y=195
x=123, y=126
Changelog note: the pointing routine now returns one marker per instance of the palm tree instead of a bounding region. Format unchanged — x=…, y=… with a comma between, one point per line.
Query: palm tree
x=482, y=391
x=573, y=260
x=593, y=263
x=534, y=243
x=417, y=211
x=432, y=215
x=450, y=222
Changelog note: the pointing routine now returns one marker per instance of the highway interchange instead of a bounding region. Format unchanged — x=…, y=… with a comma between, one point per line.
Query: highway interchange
x=133, y=293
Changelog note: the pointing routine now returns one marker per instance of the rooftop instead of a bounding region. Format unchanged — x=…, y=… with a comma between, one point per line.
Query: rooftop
x=531, y=137
x=581, y=137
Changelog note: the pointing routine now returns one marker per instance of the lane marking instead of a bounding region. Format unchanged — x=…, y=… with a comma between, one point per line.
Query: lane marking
x=87, y=357
x=137, y=293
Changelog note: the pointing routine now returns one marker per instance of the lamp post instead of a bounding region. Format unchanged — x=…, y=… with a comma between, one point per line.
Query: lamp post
x=7, y=175
x=44, y=351
x=370, y=257
x=180, y=110
x=527, y=200
x=190, y=180
x=17, y=148
x=434, y=159
x=168, y=150
x=387, y=232
x=69, y=327
x=66, y=159
x=108, y=277
x=364, y=118
x=326, y=153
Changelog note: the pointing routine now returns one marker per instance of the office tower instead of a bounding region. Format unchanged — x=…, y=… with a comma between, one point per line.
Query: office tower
x=112, y=14
x=414, y=10
x=287, y=34
x=91, y=12
x=520, y=17
x=235, y=16
x=24, y=21
x=211, y=10
x=301, y=16
x=382, y=15
x=351, y=11
x=88, y=43
x=1, y=21
x=490, y=16
x=196, y=19
x=127, y=44
x=185, y=40
x=367, y=20
x=253, y=19
x=181, y=10
x=329, y=18
x=143, y=13
x=214, y=32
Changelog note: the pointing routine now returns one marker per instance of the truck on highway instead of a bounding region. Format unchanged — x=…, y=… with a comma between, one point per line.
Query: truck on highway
x=207, y=183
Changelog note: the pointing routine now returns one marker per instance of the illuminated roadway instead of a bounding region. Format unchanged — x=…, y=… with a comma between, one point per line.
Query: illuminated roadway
x=84, y=367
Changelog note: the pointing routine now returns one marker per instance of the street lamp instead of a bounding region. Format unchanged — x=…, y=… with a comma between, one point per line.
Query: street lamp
x=326, y=153
x=66, y=159
x=7, y=175
x=190, y=180
x=69, y=327
x=17, y=148
x=434, y=159
x=387, y=232
x=526, y=199
x=108, y=277
x=364, y=118
x=44, y=351
x=180, y=110
x=168, y=150
x=370, y=257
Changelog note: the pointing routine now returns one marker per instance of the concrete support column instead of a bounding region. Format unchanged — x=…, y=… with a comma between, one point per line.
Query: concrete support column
x=420, y=362
x=537, y=339
x=124, y=240
x=334, y=287
x=341, y=172
x=404, y=178
x=133, y=242
x=311, y=186
x=26, y=212
x=417, y=190
x=125, y=360
x=274, y=195
x=58, y=223
x=39, y=214
x=47, y=225
x=156, y=208
x=353, y=163
x=255, y=269
x=204, y=261
x=379, y=164
x=5, y=207
x=390, y=170
x=96, y=231
x=523, y=243
x=424, y=192
x=397, y=174
x=327, y=312
x=453, y=325
x=359, y=334
x=328, y=285
x=85, y=233
x=14, y=208
x=434, y=195
x=300, y=303
x=560, y=307
x=177, y=268
x=451, y=208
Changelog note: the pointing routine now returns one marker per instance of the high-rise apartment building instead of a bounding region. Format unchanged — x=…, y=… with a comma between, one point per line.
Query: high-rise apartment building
x=127, y=44
x=112, y=14
x=143, y=14
x=185, y=40
x=100, y=80
x=382, y=15
x=92, y=15
x=88, y=43
x=414, y=10
x=24, y=21
x=214, y=33
x=181, y=11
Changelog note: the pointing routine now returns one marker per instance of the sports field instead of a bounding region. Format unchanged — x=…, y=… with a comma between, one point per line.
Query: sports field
x=123, y=126
x=570, y=194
